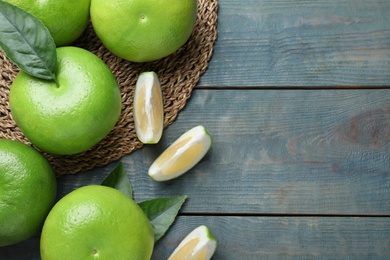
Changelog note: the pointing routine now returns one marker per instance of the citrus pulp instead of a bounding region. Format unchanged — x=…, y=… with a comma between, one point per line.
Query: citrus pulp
x=96, y=222
x=181, y=155
x=199, y=244
x=27, y=191
x=148, y=108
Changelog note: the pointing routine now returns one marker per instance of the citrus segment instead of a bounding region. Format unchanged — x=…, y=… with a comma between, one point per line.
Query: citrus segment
x=148, y=108
x=182, y=155
x=200, y=244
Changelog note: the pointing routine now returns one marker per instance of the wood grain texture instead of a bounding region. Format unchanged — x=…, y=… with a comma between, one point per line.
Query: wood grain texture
x=292, y=173
x=288, y=43
x=266, y=238
x=276, y=152
x=287, y=238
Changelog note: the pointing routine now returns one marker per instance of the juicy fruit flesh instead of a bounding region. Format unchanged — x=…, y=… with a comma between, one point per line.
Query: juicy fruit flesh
x=96, y=221
x=186, y=251
x=179, y=157
x=200, y=255
x=182, y=155
x=199, y=244
x=149, y=118
x=148, y=108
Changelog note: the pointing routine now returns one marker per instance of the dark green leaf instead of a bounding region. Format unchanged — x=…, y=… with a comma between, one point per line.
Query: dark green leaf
x=27, y=42
x=162, y=213
x=118, y=179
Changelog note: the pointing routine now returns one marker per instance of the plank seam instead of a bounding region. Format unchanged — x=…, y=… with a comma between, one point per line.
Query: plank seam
x=293, y=88
x=218, y=214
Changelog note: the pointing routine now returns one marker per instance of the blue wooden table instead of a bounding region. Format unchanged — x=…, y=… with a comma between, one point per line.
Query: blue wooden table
x=297, y=100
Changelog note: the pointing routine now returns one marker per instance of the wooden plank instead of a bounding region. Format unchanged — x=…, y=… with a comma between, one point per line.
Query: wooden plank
x=267, y=237
x=284, y=43
x=276, y=152
x=287, y=237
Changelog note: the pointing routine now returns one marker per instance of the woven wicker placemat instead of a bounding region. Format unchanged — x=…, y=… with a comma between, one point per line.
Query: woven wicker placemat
x=178, y=74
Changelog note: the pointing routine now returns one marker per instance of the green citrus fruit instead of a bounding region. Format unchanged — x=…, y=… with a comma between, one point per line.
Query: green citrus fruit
x=96, y=222
x=65, y=19
x=72, y=114
x=143, y=30
x=27, y=191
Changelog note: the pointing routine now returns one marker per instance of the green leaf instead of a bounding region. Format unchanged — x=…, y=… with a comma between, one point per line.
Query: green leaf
x=162, y=213
x=27, y=42
x=118, y=179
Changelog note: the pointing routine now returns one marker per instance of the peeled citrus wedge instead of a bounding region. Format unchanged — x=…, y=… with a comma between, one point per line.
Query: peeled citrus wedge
x=182, y=155
x=148, y=110
x=200, y=244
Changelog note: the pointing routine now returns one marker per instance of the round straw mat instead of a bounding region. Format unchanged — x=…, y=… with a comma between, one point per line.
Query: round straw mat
x=178, y=74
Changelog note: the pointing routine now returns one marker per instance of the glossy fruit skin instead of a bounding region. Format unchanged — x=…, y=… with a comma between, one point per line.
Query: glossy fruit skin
x=96, y=222
x=27, y=191
x=65, y=19
x=72, y=114
x=143, y=30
